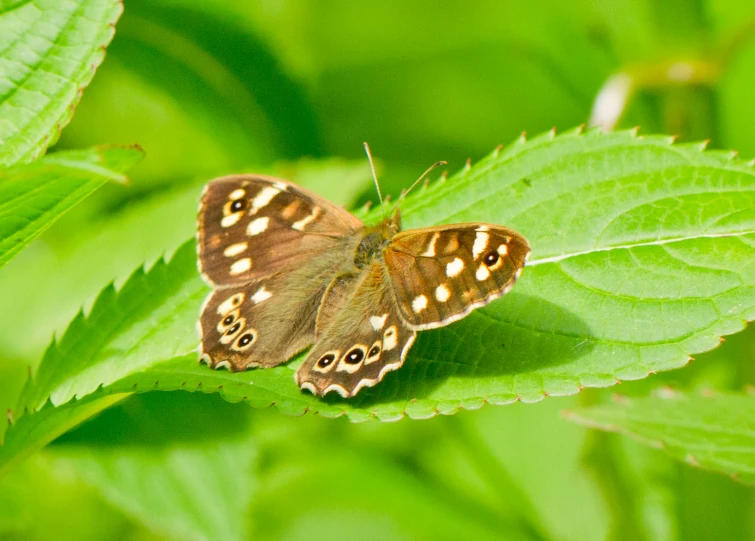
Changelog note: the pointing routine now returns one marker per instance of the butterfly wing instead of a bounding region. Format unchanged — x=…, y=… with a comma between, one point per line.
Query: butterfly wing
x=251, y=227
x=263, y=323
x=360, y=336
x=440, y=274
x=271, y=249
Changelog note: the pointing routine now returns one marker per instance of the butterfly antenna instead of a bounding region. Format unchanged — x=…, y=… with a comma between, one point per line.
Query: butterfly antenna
x=433, y=166
x=374, y=177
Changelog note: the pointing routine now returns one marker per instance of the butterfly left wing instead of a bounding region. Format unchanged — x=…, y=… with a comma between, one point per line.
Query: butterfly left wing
x=251, y=227
x=440, y=274
x=360, y=336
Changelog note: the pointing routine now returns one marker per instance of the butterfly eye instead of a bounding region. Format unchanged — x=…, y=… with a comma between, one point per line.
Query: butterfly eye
x=491, y=258
x=326, y=360
x=234, y=329
x=354, y=356
x=238, y=205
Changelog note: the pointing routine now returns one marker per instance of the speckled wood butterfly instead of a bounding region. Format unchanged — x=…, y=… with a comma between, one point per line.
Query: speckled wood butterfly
x=291, y=270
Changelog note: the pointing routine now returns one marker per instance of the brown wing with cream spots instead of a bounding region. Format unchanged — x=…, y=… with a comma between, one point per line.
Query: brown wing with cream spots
x=441, y=274
x=264, y=323
x=251, y=227
x=360, y=336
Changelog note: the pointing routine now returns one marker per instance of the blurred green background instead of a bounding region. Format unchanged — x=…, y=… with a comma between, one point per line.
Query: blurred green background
x=211, y=87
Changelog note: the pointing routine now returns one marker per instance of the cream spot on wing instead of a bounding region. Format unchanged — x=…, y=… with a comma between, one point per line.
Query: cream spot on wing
x=337, y=388
x=230, y=303
x=518, y=273
x=305, y=385
x=257, y=226
x=223, y=365
x=390, y=338
x=230, y=220
x=378, y=322
x=419, y=303
x=503, y=249
x=430, y=252
x=264, y=197
x=237, y=194
x=301, y=224
x=282, y=187
x=482, y=273
x=454, y=267
x=442, y=293
x=480, y=243
x=483, y=228
x=242, y=265
x=235, y=249
x=261, y=295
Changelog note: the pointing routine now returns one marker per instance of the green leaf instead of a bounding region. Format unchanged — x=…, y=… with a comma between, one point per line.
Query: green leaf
x=152, y=318
x=33, y=196
x=51, y=49
x=31, y=433
x=644, y=253
x=715, y=431
x=186, y=469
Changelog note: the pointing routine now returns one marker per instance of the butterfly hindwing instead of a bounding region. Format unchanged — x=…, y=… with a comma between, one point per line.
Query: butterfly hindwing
x=360, y=336
x=440, y=274
x=251, y=227
x=263, y=323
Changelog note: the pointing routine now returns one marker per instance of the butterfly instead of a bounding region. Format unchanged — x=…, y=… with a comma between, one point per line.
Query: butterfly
x=292, y=270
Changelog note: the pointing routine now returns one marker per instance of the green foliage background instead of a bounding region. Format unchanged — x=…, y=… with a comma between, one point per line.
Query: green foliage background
x=643, y=256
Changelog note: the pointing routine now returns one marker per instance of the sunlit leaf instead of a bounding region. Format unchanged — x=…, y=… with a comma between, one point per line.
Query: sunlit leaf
x=33, y=196
x=642, y=255
x=50, y=51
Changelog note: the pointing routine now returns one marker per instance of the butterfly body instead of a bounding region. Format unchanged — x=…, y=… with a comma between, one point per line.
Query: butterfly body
x=292, y=270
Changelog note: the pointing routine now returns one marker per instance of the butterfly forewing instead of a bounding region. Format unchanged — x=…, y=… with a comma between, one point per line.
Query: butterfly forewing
x=441, y=274
x=271, y=248
x=360, y=336
x=251, y=227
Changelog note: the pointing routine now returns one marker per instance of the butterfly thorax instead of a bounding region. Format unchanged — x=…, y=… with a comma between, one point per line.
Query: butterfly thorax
x=374, y=241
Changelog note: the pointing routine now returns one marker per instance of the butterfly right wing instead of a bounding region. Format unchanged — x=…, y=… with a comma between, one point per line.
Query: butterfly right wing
x=251, y=227
x=360, y=336
x=440, y=274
